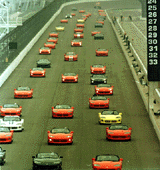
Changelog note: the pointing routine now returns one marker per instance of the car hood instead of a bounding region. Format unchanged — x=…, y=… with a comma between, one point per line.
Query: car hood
x=11, y=110
x=99, y=101
x=47, y=161
x=119, y=131
x=61, y=135
x=103, y=88
x=97, y=68
x=62, y=110
x=43, y=62
x=99, y=78
x=110, y=116
x=37, y=71
x=4, y=134
x=107, y=164
x=23, y=92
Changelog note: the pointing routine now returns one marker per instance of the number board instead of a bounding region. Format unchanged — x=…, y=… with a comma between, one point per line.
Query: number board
x=153, y=25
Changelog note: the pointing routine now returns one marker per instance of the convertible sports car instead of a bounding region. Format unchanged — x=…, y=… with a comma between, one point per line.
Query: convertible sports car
x=54, y=34
x=43, y=63
x=68, y=16
x=80, y=25
x=98, y=102
x=44, y=50
x=11, y=110
x=47, y=161
x=80, y=20
x=95, y=32
x=59, y=28
x=109, y=116
x=37, y=72
x=52, y=39
x=98, y=78
x=99, y=37
x=12, y=122
x=104, y=89
x=23, y=92
x=78, y=35
x=100, y=25
x=101, y=52
x=107, y=162
x=74, y=9
x=81, y=11
x=100, y=21
x=69, y=77
x=50, y=45
x=61, y=111
x=60, y=136
x=70, y=56
x=64, y=21
x=98, y=69
x=118, y=132
x=6, y=135
x=76, y=43
x=78, y=29
x=2, y=156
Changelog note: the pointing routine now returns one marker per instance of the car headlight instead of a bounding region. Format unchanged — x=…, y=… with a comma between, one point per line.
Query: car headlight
x=68, y=136
x=103, y=69
x=117, y=165
x=63, y=79
x=40, y=51
x=8, y=135
x=104, y=79
x=126, y=132
x=97, y=165
x=51, y=136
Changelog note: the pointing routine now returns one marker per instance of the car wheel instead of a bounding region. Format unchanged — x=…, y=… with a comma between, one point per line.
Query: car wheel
x=99, y=122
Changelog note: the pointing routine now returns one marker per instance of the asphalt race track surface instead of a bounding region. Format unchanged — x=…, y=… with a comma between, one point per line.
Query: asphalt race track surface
x=143, y=151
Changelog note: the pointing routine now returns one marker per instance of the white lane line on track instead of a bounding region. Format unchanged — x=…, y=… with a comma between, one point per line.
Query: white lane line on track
x=139, y=30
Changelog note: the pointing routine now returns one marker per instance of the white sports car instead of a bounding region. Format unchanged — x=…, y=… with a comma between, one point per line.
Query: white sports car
x=13, y=122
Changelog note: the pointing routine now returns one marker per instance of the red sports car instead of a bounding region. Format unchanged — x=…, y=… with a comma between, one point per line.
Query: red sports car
x=84, y=18
x=118, y=132
x=98, y=69
x=104, y=89
x=95, y=32
x=50, y=45
x=80, y=25
x=11, y=110
x=52, y=39
x=70, y=77
x=54, y=34
x=85, y=15
x=78, y=35
x=101, y=52
x=70, y=56
x=76, y=43
x=100, y=10
x=60, y=136
x=78, y=29
x=6, y=135
x=44, y=50
x=81, y=11
x=102, y=14
x=61, y=111
x=107, y=162
x=102, y=22
x=64, y=20
x=98, y=102
x=23, y=92
x=73, y=14
x=37, y=72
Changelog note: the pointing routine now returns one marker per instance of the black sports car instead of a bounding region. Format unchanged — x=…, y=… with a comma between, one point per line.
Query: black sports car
x=74, y=9
x=98, y=25
x=97, y=7
x=43, y=63
x=98, y=78
x=47, y=160
x=99, y=37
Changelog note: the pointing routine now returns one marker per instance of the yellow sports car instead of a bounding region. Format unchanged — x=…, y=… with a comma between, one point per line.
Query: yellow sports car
x=60, y=28
x=109, y=116
x=80, y=20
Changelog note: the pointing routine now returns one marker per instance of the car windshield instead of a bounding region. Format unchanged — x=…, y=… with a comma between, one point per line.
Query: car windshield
x=69, y=74
x=99, y=98
x=23, y=89
x=52, y=38
x=118, y=127
x=99, y=76
x=70, y=53
x=76, y=40
x=107, y=112
x=107, y=158
x=11, y=106
x=98, y=65
x=43, y=60
x=98, y=24
x=62, y=107
x=49, y=42
x=101, y=49
x=4, y=129
x=47, y=155
x=11, y=118
x=45, y=48
x=37, y=69
x=53, y=33
x=103, y=85
x=78, y=33
x=59, y=26
x=60, y=130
